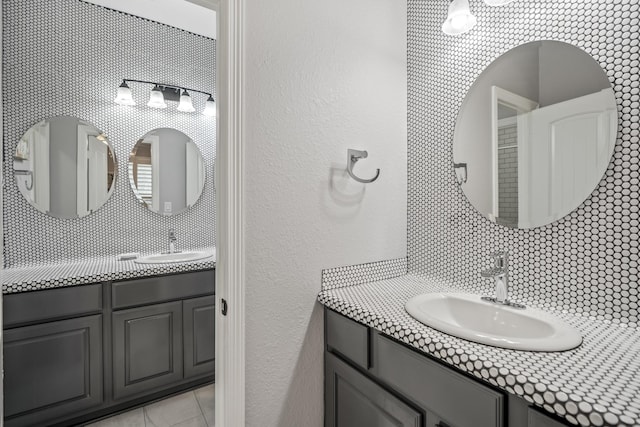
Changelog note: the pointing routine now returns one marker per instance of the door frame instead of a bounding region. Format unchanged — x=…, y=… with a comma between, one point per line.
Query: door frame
x=230, y=262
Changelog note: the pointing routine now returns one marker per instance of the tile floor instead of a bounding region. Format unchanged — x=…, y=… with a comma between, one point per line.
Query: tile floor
x=191, y=409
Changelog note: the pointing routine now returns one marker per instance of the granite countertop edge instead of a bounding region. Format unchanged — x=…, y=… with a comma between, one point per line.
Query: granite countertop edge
x=380, y=305
x=90, y=270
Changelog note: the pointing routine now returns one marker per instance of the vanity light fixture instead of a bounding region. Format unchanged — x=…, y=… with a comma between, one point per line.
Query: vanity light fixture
x=210, y=107
x=156, y=98
x=459, y=20
x=164, y=92
x=186, y=106
x=124, y=95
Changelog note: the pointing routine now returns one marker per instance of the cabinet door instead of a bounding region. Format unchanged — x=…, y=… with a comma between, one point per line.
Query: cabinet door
x=147, y=348
x=52, y=370
x=352, y=400
x=199, y=336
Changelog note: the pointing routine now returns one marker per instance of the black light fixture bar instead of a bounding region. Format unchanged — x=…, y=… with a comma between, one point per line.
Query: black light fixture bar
x=172, y=89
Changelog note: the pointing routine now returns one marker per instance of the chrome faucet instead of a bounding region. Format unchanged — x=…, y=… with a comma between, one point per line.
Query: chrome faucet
x=500, y=273
x=172, y=241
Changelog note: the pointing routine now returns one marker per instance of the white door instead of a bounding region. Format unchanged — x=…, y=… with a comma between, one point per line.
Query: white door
x=567, y=142
x=97, y=175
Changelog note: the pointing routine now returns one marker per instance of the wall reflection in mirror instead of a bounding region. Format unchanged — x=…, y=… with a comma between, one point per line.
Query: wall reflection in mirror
x=535, y=134
x=65, y=167
x=166, y=171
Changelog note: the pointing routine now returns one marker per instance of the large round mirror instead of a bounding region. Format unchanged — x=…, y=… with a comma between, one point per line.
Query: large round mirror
x=166, y=171
x=65, y=167
x=535, y=134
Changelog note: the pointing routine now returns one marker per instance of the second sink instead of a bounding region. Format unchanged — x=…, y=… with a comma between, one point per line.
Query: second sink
x=174, y=257
x=467, y=316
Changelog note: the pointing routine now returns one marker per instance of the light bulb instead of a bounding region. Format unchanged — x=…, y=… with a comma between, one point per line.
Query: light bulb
x=459, y=20
x=210, y=107
x=156, y=98
x=124, y=96
x=186, y=105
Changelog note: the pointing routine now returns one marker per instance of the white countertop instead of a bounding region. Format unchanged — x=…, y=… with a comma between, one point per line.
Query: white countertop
x=91, y=270
x=596, y=384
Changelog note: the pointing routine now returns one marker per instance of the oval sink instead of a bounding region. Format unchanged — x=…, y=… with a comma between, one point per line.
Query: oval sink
x=173, y=257
x=467, y=316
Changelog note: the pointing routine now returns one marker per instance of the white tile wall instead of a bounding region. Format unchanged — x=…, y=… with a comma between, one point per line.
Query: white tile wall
x=67, y=57
x=588, y=261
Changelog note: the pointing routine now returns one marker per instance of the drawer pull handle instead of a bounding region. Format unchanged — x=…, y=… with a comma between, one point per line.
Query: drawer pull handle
x=442, y=424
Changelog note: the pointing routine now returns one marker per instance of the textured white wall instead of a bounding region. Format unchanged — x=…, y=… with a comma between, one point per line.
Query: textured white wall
x=321, y=77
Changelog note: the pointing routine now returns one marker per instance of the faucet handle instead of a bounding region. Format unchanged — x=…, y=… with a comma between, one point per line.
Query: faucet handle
x=501, y=258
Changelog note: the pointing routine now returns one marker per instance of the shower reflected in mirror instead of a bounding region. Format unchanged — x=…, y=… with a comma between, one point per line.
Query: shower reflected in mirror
x=535, y=134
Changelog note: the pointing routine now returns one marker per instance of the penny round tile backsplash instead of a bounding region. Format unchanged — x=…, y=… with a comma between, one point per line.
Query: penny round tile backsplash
x=67, y=57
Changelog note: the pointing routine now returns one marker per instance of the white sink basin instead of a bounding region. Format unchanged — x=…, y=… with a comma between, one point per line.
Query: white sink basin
x=174, y=257
x=467, y=316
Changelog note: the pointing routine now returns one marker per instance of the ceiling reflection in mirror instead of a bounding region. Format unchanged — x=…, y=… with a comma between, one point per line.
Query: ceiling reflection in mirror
x=166, y=171
x=535, y=134
x=65, y=167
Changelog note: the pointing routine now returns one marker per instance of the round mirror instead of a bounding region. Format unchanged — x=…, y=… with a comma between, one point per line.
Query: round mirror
x=166, y=171
x=535, y=134
x=65, y=167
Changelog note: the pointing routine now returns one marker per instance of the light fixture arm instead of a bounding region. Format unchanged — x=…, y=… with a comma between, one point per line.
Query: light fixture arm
x=165, y=85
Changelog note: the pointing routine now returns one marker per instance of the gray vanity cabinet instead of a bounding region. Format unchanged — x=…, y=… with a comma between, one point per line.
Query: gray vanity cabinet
x=198, y=319
x=374, y=380
x=163, y=332
x=147, y=348
x=52, y=370
x=75, y=353
x=353, y=400
x=53, y=353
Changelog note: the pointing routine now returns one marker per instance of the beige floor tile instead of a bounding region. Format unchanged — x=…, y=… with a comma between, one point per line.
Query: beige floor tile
x=172, y=411
x=198, y=421
x=210, y=417
x=206, y=397
x=134, y=418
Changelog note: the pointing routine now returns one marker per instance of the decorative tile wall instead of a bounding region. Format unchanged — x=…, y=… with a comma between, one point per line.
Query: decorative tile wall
x=67, y=57
x=339, y=277
x=586, y=263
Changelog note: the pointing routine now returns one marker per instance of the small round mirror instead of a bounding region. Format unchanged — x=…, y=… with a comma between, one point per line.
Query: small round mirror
x=166, y=171
x=65, y=167
x=535, y=134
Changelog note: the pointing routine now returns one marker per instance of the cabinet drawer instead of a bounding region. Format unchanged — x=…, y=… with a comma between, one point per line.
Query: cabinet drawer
x=458, y=400
x=38, y=306
x=348, y=338
x=163, y=288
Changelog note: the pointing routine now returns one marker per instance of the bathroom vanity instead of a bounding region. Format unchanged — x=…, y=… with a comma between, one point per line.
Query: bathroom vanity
x=76, y=353
x=383, y=367
x=372, y=379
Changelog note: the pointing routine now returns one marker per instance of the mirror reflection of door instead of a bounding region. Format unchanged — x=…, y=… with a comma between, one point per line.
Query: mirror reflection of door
x=509, y=130
x=65, y=167
x=568, y=141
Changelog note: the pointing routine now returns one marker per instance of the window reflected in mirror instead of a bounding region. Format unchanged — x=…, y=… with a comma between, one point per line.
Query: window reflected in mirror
x=166, y=171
